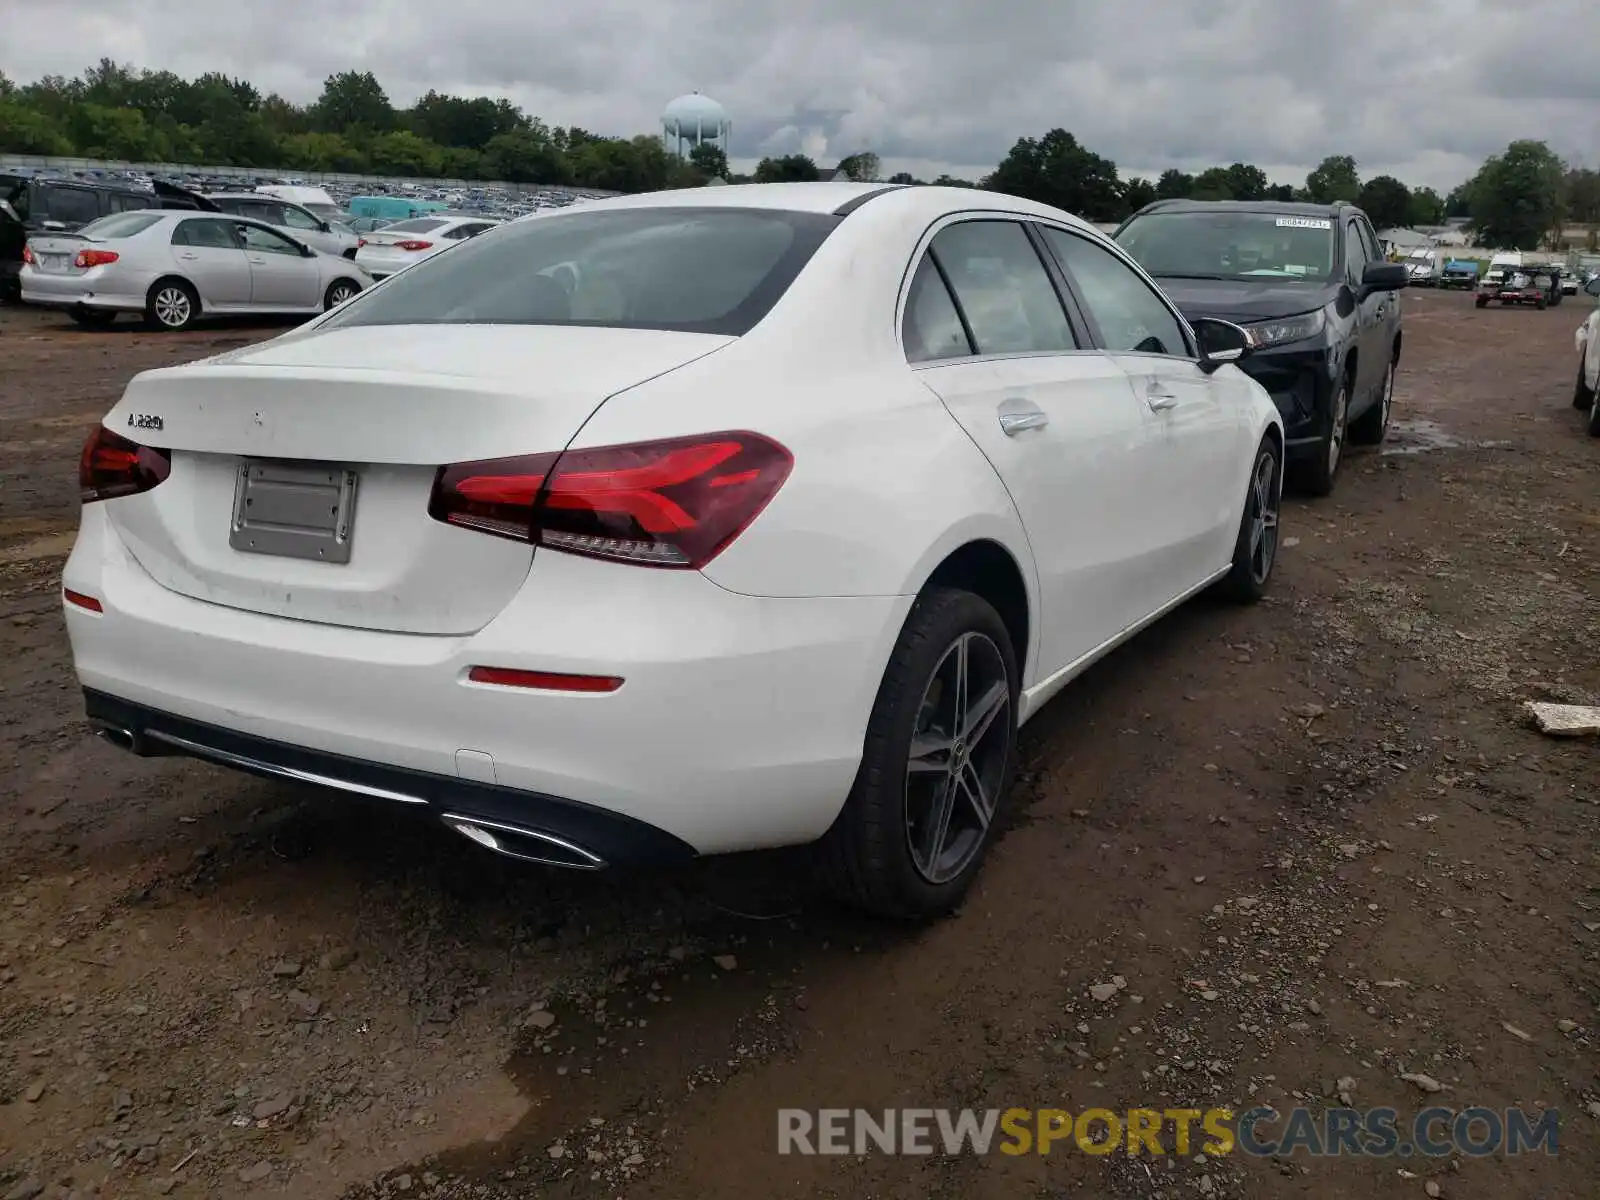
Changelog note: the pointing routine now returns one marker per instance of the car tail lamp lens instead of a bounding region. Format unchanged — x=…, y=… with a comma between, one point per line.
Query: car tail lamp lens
x=672, y=503
x=113, y=466
x=94, y=258
x=413, y=245
x=87, y=603
x=27, y=256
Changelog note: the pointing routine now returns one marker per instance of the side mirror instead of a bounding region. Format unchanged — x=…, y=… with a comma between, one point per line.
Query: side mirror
x=1593, y=286
x=1220, y=342
x=1382, y=277
x=324, y=227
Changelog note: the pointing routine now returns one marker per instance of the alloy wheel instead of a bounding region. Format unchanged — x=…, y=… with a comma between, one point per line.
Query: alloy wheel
x=341, y=292
x=1336, y=434
x=959, y=748
x=172, y=307
x=1263, y=517
x=1388, y=395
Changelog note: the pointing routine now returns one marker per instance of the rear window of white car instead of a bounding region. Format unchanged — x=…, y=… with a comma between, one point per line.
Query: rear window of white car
x=120, y=225
x=695, y=270
x=419, y=225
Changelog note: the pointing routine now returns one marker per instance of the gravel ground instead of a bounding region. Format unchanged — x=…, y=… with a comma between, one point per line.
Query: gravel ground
x=1313, y=842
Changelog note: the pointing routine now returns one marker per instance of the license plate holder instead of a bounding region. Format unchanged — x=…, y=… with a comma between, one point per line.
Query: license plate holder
x=294, y=509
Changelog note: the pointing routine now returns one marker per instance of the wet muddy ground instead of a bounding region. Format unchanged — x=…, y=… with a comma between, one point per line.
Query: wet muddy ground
x=1314, y=840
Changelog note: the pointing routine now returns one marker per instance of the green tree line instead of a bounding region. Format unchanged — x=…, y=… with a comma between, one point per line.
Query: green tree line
x=1518, y=199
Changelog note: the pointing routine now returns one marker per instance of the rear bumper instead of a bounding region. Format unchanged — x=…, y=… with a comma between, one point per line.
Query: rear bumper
x=79, y=291
x=565, y=832
x=740, y=724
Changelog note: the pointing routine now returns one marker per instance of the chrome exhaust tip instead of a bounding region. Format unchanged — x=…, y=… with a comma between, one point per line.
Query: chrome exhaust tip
x=526, y=845
x=122, y=739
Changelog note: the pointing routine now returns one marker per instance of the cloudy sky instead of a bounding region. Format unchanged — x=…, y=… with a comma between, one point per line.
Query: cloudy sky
x=1423, y=89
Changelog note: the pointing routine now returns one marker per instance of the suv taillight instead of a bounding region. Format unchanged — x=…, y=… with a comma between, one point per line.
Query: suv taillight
x=112, y=466
x=94, y=258
x=672, y=503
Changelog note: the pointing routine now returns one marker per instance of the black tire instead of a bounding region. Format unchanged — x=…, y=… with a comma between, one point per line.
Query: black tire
x=1370, y=428
x=93, y=318
x=1316, y=475
x=1253, y=559
x=1582, y=394
x=163, y=309
x=338, y=292
x=1480, y=302
x=1594, y=417
x=866, y=858
x=1539, y=304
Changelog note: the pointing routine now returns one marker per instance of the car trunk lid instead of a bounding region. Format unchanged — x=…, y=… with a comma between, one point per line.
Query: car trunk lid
x=302, y=468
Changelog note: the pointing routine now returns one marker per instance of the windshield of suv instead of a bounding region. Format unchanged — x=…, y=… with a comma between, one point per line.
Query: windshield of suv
x=1230, y=245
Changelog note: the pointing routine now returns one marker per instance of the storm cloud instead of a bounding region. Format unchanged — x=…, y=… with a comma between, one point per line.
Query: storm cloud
x=1423, y=89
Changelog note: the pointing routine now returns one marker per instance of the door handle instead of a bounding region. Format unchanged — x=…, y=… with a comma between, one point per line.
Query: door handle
x=188, y=257
x=1017, y=420
x=254, y=259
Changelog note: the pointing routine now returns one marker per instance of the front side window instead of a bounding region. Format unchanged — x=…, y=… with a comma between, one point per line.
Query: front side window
x=692, y=269
x=931, y=328
x=205, y=231
x=296, y=218
x=1355, y=254
x=1002, y=288
x=266, y=242
x=1131, y=316
x=1231, y=245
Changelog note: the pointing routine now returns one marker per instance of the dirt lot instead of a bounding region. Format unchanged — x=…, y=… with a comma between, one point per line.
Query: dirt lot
x=1313, y=838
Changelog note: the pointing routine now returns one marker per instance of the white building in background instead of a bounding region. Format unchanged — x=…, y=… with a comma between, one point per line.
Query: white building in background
x=694, y=120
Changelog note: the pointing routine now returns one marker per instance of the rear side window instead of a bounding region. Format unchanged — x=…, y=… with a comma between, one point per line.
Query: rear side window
x=71, y=206
x=932, y=327
x=696, y=270
x=123, y=202
x=419, y=225
x=120, y=225
x=1003, y=289
x=202, y=231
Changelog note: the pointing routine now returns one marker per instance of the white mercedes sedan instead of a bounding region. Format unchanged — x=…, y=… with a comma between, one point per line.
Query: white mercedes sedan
x=678, y=524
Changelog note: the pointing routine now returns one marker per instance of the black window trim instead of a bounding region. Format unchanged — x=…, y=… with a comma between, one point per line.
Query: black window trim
x=1069, y=306
x=1191, y=344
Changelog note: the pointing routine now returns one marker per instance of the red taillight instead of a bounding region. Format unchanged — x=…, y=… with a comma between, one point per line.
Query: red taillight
x=413, y=245
x=673, y=503
x=88, y=603
x=544, y=681
x=94, y=258
x=360, y=242
x=27, y=256
x=112, y=466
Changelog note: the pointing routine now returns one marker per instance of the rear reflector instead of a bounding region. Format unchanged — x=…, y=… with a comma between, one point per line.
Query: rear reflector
x=82, y=601
x=94, y=258
x=544, y=681
x=673, y=503
x=113, y=466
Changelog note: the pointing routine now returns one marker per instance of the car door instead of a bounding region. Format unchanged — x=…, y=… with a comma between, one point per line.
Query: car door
x=301, y=224
x=1192, y=460
x=986, y=329
x=280, y=275
x=1371, y=315
x=208, y=253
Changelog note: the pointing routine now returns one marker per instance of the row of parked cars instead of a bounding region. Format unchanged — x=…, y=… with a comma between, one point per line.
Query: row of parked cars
x=174, y=255
x=722, y=518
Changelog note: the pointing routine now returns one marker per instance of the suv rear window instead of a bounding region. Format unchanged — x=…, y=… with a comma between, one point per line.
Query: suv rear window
x=69, y=205
x=695, y=270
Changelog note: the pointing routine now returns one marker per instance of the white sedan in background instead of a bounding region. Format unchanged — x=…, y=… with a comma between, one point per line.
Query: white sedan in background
x=405, y=243
x=678, y=524
x=1586, y=392
x=178, y=266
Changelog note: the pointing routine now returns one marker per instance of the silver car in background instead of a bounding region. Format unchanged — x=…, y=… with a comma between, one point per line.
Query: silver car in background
x=176, y=267
x=299, y=222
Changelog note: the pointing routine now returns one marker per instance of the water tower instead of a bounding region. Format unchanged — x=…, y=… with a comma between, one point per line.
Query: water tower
x=694, y=120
